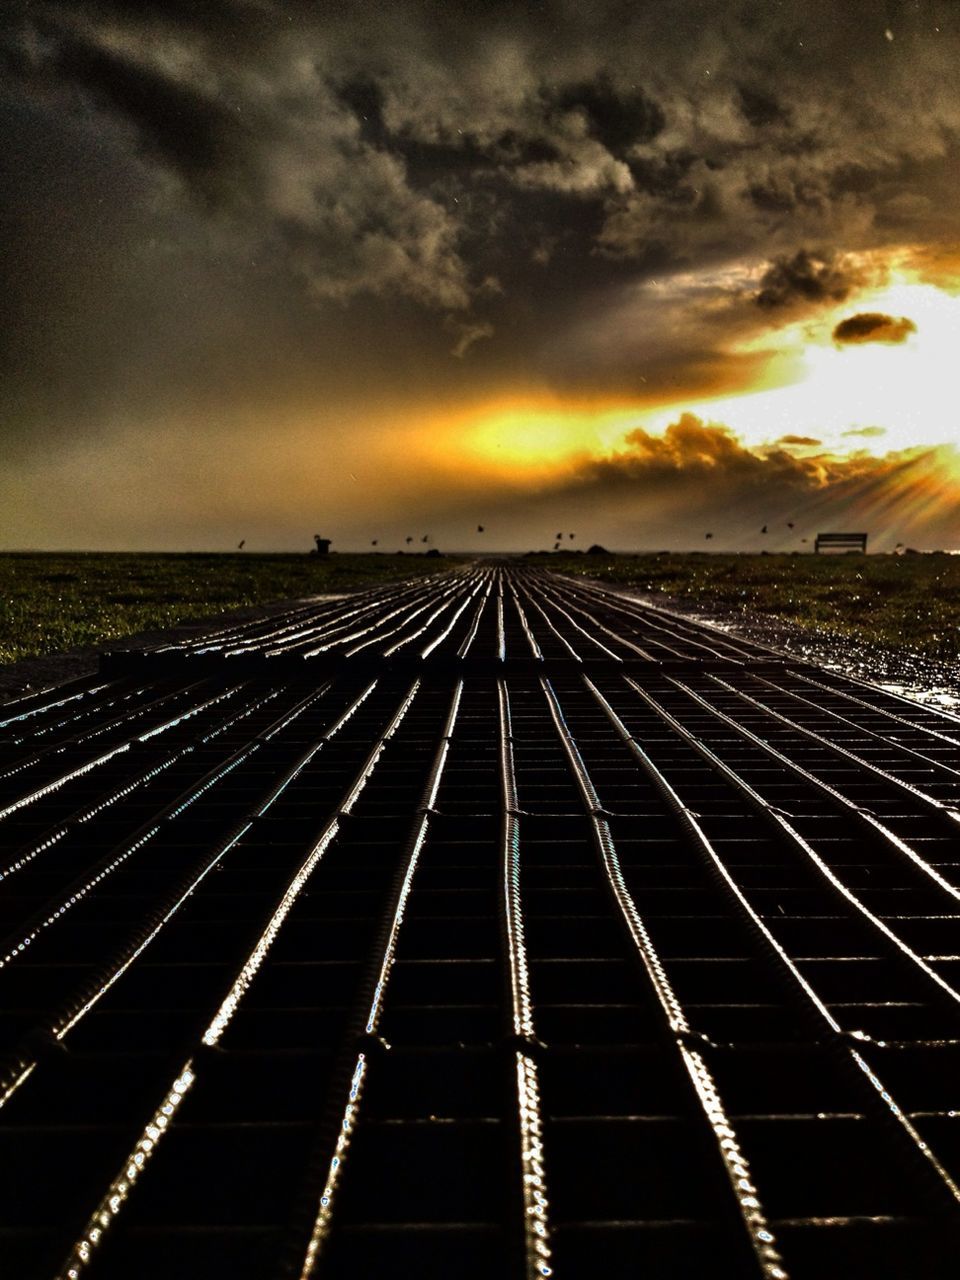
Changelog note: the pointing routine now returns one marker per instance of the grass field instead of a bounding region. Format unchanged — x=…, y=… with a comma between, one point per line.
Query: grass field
x=910, y=601
x=53, y=602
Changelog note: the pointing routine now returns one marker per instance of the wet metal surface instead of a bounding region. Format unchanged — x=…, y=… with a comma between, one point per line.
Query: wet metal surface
x=490, y=925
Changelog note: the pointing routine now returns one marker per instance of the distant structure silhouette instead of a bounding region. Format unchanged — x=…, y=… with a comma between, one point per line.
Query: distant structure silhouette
x=323, y=544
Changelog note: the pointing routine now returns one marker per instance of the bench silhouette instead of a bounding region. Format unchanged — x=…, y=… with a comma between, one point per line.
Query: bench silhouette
x=841, y=541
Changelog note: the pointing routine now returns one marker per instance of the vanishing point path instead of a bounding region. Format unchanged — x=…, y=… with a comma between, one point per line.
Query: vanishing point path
x=490, y=926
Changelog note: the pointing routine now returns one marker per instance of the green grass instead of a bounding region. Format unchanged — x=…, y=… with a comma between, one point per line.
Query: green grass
x=53, y=602
x=58, y=601
x=910, y=601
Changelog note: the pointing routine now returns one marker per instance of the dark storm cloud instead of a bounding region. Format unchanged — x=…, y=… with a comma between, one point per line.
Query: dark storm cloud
x=873, y=326
x=761, y=109
x=288, y=195
x=617, y=120
x=414, y=131
x=193, y=132
x=806, y=276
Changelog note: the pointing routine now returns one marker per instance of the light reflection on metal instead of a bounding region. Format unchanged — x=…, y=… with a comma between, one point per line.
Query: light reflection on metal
x=890, y=779
x=57, y=783
x=834, y=1034
x=679, y=628
x=286, y=639
x=567, y=617
x=780, y=819
x=564, y=642
x=475, y=623
x=257, y=956
x=87, y=767
x=882, y=711
x=501, y=634
x=932, y=762
x=295, y=886
x=754, y=1219
x=891, y=839
x=79, y=736
x=50, y=706
x=119, y=1190
x=371, y=761
x=553, y=594
x=435, y=643
x=423, y=628
x=524, y=623
x=537, y=1250
x=66, y=1024
x=323, y=1219
x=117, y=973
x=13, y=1085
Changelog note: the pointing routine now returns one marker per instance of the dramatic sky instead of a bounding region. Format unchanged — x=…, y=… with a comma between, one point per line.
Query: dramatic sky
x=639, y=271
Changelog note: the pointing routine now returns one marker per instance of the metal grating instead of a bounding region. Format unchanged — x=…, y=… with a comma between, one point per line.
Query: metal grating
x=493, y=926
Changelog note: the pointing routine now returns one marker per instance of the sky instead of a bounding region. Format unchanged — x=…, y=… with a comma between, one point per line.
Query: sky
x=637, y=272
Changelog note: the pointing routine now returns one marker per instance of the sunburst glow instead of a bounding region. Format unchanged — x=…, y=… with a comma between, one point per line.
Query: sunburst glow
x=873, y=396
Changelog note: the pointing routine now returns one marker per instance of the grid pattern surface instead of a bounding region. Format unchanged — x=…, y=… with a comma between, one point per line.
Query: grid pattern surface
x=493, y=925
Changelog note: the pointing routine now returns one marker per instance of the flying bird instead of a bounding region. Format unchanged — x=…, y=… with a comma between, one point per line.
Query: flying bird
x=559, y=536
x=789, y=524
x=556, y=546
x=571, y=535
x=425, y=537
x=764, y=529
x=241, y=544
x=708, y=535
x=373, y=542
x=409, y=539
x=479, y=528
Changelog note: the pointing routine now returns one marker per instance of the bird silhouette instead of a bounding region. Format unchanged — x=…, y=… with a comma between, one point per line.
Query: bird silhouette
x=425, y=537
x=708, y=535
x=409, y=539
x=556, y=546
x=373, y=542
x=789, y=524
x=559, y=536
x=571, y=535
x=241, y=544
x=803, y=539
x=764, y=529
x=479, y=528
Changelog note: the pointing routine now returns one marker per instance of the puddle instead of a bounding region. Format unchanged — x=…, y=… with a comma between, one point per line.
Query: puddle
x=901, y=671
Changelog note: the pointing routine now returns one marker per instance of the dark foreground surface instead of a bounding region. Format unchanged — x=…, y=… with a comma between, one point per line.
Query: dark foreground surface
x=488, y=926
